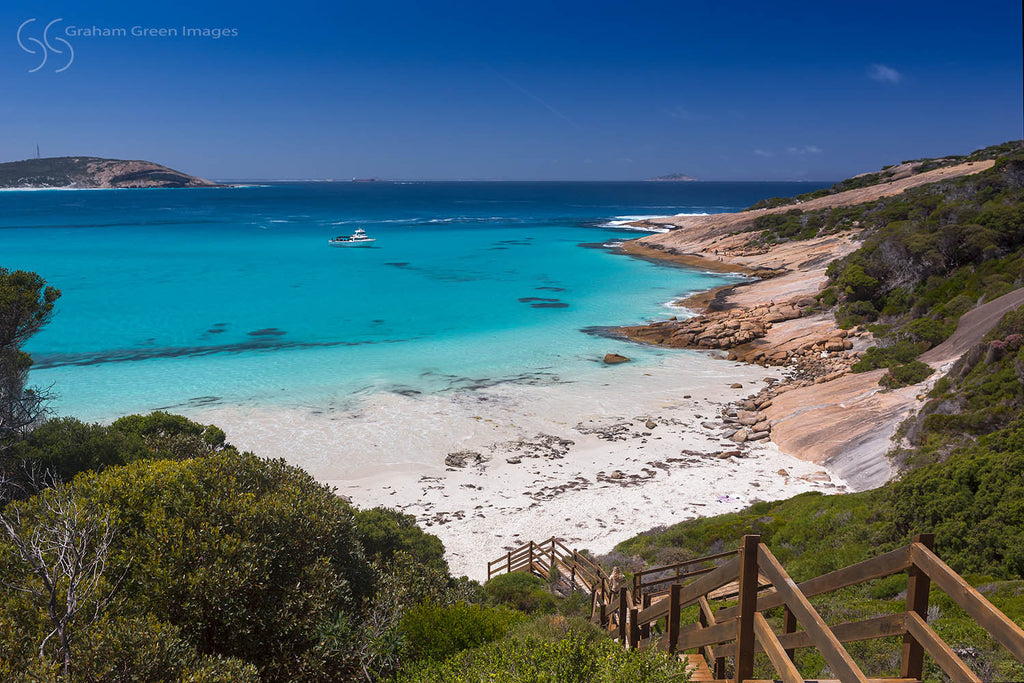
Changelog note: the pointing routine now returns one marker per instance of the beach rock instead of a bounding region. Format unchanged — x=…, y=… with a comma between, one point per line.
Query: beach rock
x=739, y=436
x=464, y=458
x=617, y=474
x=614, y=358
x=783, y=473
x=758, y=436
x=514, y=460
x=731, y=454
x=650, y=424
x=835, y=344
x=817, y=476
x=735, y=385
x=762, y=426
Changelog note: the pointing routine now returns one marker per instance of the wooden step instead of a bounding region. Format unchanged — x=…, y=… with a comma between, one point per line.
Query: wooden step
x=698, y=668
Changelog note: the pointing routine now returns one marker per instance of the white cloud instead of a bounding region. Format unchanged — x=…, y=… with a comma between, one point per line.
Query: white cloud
x=884, y=74
x=806, y=149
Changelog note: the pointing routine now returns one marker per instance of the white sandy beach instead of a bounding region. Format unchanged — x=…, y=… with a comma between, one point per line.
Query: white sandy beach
x=575, y=460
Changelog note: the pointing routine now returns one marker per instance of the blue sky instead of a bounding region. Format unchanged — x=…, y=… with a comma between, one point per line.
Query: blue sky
x=515, y=90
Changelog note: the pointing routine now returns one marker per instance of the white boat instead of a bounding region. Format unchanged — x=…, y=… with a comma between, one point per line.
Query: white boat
x=357, y=239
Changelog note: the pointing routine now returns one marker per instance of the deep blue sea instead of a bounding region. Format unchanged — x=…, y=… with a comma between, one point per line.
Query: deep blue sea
x=231, y=296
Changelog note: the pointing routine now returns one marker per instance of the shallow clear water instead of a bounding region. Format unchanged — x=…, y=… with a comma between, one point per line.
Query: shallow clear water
x=197, y=298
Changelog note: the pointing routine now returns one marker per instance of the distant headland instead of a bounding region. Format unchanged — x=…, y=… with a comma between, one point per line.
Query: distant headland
x=93, y=173
x=673, y=178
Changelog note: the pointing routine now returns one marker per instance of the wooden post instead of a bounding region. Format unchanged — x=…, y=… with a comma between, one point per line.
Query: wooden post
x=645, y=630
x=634, y=630
x=918, y=585
x=702, y=619
x=673, y=618
x=551, y=566
x=623, y=609
x=747, y=608
x=572, y=574
x=790, y=627
x=508, y=562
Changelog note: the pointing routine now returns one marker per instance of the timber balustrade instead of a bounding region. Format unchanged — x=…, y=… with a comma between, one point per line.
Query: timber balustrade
x=751, y=580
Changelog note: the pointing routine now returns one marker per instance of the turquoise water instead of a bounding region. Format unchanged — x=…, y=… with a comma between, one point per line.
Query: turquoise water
x=194, y=298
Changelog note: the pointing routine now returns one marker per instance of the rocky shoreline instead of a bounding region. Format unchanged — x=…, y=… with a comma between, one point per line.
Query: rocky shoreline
x=830, y=417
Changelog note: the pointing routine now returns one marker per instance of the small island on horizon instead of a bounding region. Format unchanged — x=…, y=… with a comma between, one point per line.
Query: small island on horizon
x=672, y=178
x=94, y=173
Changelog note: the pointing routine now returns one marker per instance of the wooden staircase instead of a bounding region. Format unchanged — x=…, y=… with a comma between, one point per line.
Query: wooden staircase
x=732, y=590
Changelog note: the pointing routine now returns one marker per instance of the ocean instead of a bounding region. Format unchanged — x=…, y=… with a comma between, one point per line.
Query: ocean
x=192, y=299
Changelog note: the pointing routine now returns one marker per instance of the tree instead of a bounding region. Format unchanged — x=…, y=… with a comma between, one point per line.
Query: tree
x=65, y=548
x=26, y=305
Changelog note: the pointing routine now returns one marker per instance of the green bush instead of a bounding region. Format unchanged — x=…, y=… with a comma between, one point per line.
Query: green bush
x=384, y=532
x=66, y=446
x=246, y=558
x=887, y=356
x=578, y=655
x=906, y=374
x=520, y=591
x=434, y=632
x=927, y=330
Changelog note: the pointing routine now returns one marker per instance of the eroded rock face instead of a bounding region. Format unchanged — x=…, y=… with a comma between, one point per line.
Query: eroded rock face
x=614, y=359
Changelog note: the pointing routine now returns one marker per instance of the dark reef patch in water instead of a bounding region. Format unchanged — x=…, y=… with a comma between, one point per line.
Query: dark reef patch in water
x=529, y=299
x=268, y=332
x=560, y=304
x=552, y=289
x=56, y=360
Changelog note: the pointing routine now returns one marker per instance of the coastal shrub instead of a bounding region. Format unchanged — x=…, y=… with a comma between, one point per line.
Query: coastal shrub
x=576, y=653
x=906, y=374
x=520, y=591
x=887, y=356
x=63, y=447
x=173, y=436
x=384, y=531
x=235, y=552
x=928, y=330
x=434, y=632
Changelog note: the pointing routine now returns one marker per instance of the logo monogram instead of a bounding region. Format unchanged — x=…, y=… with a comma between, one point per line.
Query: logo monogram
x=45, y=46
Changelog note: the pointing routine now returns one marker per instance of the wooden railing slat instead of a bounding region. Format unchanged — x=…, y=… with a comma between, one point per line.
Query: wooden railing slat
x=769, y=642
x=835, y=654
x=693, y=636
x=938, y=650
x=974, y=603
x=690, y=592
x=868, y=629
x=669, y=567
x=875, y=568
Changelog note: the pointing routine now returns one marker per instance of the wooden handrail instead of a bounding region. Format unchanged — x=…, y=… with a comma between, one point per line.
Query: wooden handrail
x=689, y=593
x=669, y=567
x=776, y=653
x=875, y=568
x=939, y=651
x=632, y=615
x=974, y=603
x=852, y=631
x=828, y=645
